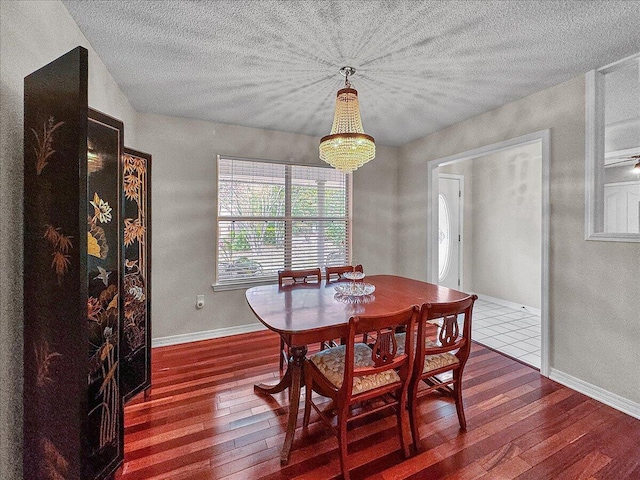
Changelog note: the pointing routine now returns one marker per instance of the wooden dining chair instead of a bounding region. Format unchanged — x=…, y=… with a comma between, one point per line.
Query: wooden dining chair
x=293, y=277
x=446, y=351
x=335, y=274
x=287, y=278
x=355, y=373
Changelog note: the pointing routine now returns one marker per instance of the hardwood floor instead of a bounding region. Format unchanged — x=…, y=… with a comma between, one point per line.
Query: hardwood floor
x=203, y=421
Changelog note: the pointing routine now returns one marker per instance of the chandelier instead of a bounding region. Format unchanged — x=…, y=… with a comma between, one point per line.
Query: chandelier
x=347, y=147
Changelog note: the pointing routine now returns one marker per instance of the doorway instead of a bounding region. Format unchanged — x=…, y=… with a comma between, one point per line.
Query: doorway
x=474, y=251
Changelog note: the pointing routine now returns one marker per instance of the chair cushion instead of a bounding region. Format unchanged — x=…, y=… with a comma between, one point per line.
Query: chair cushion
x=400, y=338
x=330, y=362
x=439, y=360
x=431, y=362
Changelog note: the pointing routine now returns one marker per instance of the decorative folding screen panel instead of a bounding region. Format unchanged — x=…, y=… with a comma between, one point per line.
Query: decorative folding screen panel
x=73, y=419
x=55, y=379
x=104, y=427
x=135, y=342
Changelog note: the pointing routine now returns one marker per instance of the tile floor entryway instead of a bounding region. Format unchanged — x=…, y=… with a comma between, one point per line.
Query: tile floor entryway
x=515, y=332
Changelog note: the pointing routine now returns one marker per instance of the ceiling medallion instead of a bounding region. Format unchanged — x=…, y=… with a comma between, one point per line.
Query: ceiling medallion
x=347, y=147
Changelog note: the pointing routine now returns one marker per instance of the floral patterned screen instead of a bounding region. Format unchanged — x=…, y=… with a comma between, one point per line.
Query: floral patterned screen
x=136, y=328
x=104, y=279
x=73, y=422
x=55, y=125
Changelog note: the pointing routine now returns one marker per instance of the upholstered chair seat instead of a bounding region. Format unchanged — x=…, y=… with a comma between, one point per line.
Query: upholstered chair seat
x=400, y=338
x=330, y=363
x=431, y=362
x=437, y=361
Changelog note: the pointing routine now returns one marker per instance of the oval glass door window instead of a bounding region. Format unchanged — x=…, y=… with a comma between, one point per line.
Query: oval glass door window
x=444, y=238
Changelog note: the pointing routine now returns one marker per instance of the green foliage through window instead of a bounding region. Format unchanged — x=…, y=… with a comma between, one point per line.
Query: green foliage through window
x=273, y=216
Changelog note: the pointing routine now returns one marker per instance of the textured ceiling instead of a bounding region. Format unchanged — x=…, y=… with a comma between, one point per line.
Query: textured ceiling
x=420, y=65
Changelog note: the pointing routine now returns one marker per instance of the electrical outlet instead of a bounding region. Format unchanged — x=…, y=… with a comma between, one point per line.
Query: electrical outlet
x=199, y=301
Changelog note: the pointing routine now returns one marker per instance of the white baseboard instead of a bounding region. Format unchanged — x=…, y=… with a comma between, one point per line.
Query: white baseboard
x=507, y=303
x=206, y=335
x=600, y=394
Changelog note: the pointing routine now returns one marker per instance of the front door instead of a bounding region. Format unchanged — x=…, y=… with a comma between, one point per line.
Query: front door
x=449, y=231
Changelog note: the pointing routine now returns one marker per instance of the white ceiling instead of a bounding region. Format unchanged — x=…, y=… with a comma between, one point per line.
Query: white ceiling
x=421, y=65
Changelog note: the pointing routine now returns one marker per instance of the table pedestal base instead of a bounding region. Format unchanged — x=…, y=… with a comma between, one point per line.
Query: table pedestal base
x=292, y=379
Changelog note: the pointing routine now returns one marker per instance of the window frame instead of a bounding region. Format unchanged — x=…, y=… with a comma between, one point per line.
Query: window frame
x=594, y=154
x=247, y=283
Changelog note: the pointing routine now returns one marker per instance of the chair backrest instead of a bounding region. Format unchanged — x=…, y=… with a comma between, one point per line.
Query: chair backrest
x=291, y=277
x=449, y=336
x=338, y=272
x=384, y=352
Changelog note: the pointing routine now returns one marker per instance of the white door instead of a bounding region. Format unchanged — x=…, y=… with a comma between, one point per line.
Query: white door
x=622, y=207
x=449, y=231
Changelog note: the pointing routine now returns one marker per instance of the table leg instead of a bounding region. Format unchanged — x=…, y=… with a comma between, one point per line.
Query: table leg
x=296, y=364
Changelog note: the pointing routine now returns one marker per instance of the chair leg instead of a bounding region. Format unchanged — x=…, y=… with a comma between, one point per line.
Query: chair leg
x=308, y=381
x=281, y=354
x=457, y=386
x=342, y=443
x=413, y=415
x=403, y=425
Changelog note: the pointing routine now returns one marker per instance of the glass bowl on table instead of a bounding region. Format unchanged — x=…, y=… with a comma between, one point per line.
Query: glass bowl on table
x=355, y=289
x=354, y=275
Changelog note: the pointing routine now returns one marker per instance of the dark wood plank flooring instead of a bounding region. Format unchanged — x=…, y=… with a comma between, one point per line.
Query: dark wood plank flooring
x=203, y=421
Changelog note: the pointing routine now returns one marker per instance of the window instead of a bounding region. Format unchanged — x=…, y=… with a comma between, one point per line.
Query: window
x=612, y=150
x=273, y=216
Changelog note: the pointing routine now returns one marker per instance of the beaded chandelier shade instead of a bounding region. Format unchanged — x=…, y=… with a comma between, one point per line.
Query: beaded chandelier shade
x=347, y=147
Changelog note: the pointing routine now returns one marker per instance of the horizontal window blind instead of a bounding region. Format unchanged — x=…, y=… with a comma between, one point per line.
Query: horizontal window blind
x=274, y=216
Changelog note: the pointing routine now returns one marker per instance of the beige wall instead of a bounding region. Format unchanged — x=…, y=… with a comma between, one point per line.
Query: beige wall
x=184, y=228
x=594, y=306
x=502, y=224
x=32, y=34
